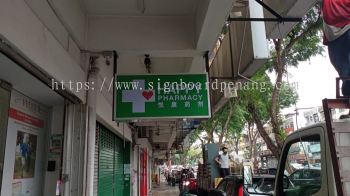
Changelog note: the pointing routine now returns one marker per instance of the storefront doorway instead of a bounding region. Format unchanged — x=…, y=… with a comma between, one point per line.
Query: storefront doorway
x=31, y=113
x=25, y=146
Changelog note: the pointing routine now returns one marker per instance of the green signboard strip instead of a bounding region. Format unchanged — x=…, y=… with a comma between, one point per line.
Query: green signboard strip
x=161, y=96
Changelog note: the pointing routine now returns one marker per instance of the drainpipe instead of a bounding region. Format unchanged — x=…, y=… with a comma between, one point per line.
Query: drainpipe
x=91, y=101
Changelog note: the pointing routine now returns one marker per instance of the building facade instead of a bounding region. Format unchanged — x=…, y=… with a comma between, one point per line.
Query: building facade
x=58, y=62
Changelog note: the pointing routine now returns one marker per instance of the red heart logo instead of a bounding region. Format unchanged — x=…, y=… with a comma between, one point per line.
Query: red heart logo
x=147, y=94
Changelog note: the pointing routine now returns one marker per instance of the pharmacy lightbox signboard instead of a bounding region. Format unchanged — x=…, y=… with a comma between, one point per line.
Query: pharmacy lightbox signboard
x=161, y=96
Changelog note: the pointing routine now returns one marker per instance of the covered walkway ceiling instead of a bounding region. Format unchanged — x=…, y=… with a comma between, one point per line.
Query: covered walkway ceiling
x=141, y=7
x=175, y=31
x=176, y=34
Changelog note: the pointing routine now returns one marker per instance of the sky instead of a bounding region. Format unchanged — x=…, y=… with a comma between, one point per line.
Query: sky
x=314, y=79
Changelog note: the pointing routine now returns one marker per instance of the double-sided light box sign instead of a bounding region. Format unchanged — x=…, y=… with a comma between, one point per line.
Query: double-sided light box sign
x=161, y=96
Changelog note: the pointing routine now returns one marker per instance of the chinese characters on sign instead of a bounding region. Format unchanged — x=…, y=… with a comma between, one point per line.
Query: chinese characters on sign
x=157, y=96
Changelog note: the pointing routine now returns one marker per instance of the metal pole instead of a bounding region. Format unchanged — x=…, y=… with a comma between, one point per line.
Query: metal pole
x=206, y=58
x=91, y=127
x=332, y=145
x=231, y=51
x=269, y=9
x=115, y=67
x=207, y=69
x=265, y=19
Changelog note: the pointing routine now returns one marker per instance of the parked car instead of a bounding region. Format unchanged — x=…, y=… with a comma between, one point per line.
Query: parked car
x=306, y=177
x=174, y=177
x=316, y=165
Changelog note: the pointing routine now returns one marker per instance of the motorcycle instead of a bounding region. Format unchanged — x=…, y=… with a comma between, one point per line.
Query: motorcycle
x=188, y=185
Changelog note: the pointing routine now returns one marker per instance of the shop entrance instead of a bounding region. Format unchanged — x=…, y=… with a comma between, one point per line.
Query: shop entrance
x=25, y=146
x=31, y=124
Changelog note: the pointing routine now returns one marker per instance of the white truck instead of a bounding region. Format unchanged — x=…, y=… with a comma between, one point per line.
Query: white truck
x=315, y=161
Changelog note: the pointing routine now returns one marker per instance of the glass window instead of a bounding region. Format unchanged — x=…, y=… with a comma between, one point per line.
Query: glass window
x=303, y=168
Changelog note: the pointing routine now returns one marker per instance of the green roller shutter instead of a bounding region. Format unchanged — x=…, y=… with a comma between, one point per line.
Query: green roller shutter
x=106, y=159
x=127, y=170
x=112, y=180
x=119, y=167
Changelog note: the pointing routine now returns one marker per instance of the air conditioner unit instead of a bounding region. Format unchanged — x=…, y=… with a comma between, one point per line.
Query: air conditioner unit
x=230, y=92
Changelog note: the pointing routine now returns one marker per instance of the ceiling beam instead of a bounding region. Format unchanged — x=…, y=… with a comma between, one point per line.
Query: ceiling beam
x=180, y=53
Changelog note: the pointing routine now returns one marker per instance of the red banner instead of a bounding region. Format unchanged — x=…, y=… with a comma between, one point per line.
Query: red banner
x=146, y=168
x=20, y=116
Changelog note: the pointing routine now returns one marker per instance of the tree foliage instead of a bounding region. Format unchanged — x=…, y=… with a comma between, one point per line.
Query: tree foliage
x=192, y=156
x=262, y=103
x=225, y=124
x=303, y=42
x=257, y=101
